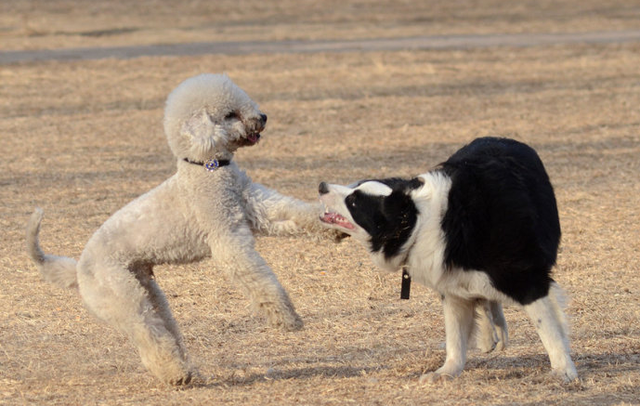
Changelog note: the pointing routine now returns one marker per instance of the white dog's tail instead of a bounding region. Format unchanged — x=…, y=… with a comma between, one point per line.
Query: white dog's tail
x=60, y=271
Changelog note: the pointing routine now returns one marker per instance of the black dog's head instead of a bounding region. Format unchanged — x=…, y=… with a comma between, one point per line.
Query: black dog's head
x=379, y=213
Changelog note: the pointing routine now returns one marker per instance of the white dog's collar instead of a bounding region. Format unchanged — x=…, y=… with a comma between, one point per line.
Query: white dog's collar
x=210, y=164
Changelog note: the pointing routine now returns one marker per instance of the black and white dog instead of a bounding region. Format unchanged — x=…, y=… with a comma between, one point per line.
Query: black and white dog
x=482, y=229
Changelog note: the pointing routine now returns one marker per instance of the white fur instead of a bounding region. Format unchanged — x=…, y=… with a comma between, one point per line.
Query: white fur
x=195, y=214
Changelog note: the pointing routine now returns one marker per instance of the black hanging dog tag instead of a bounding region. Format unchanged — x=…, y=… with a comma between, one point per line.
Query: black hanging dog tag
x=405, y=291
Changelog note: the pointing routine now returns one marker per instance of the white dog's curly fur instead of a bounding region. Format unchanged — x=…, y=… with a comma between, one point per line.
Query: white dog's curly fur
x=195, y=214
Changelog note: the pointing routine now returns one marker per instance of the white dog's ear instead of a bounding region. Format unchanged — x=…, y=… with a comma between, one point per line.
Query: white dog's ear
x=200, y=131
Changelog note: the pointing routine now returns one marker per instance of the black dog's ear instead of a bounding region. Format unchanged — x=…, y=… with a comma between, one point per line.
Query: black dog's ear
x=397, y=203
x=415, y=183
x=399, y=200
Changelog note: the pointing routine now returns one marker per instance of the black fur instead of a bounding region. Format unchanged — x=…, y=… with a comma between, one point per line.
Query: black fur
x=502, y=217
x=389, y=220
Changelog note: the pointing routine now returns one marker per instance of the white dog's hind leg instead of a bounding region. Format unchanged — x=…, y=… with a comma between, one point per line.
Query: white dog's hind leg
x=161, y=306
x=237, y=256
x=458, y=322
x=544, y=315
x=139, y=310
x=176, y=368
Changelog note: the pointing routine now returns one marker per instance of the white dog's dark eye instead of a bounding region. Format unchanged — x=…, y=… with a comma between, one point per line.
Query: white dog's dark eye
x=231, y=115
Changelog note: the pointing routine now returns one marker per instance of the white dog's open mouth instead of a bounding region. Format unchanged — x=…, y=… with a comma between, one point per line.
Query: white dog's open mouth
x=253, y=138
x=250, y=139
x=337, y=220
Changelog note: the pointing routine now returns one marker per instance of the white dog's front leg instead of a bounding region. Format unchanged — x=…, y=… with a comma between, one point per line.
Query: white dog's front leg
x=458, y=322
x=272, y=213
x=236, y=254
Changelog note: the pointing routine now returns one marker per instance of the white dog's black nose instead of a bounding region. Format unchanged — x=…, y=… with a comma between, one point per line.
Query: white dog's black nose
x=263, y=117
x=323, y=188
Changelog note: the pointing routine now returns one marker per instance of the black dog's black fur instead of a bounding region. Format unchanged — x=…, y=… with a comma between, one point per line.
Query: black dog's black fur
x=502, y=217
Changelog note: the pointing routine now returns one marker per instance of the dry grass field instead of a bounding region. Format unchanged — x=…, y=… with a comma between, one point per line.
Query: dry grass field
x=81, y=139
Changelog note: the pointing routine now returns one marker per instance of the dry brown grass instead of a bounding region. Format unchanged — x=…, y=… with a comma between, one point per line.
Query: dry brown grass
x=82, y=139
x=37, y=24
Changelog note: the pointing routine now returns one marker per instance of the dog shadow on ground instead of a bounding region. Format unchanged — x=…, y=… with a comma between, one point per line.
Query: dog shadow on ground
x=272, y=374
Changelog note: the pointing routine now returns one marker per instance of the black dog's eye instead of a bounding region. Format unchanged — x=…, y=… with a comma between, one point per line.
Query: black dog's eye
x=231, y=115
x=350, y=201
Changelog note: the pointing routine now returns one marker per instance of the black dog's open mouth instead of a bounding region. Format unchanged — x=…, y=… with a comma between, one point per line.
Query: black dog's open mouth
x=336, y=219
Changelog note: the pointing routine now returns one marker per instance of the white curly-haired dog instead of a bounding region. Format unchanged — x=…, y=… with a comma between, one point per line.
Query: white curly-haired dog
x=209, y=208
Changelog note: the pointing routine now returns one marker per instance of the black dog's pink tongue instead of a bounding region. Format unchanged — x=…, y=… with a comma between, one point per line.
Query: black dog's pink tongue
x=335, y=218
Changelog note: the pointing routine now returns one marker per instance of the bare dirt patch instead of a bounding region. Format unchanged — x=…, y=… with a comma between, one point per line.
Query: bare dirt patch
x=81, y=139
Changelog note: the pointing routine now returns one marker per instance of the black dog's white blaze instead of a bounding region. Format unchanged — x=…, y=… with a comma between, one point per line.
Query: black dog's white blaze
x=502, y=217
x=389, y=220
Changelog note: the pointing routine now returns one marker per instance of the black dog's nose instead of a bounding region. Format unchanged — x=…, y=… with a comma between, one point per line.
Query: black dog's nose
x=323, y=189
x=264, y=118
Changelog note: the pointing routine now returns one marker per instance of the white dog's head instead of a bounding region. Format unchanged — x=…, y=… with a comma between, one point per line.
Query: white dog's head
x=209, y=117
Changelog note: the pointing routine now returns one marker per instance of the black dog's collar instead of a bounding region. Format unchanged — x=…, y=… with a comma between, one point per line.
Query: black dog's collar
x=211, y=164
x=405, y=291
